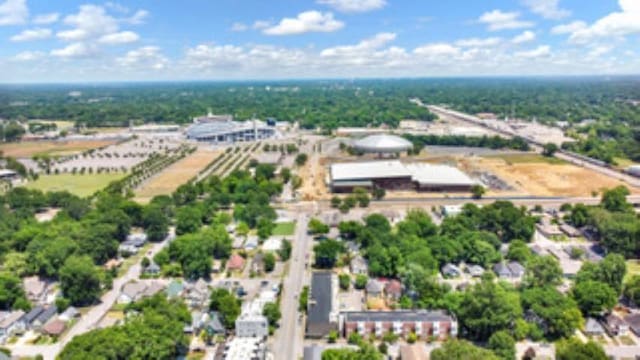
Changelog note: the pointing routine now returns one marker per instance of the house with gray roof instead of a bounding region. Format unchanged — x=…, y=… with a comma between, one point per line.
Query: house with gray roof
x=451, y=271
x=374, y=288
x=12, y=323
x=46, y=315
x=321, y=309
x=592, y=327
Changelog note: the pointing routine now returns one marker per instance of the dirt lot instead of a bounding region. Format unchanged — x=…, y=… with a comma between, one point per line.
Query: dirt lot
x=30, y=148
x=535, y=175
x=175, y=175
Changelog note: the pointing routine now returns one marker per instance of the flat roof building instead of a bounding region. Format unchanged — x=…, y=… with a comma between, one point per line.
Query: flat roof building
x=322, y=316
x=423, y=323
x=395, y=175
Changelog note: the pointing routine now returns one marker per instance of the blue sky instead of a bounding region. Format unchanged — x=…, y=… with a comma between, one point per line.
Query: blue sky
x=77, y=41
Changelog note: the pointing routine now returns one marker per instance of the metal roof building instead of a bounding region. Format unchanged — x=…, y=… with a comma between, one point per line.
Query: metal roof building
x=394, y=175
x=383, y=143
x=230, y=131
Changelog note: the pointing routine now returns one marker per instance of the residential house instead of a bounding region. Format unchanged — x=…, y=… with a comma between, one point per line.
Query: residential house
x=451, y=271
x=54, y=328
x=547, y=229
x=174, y=289
x=570, y=231
x=393, y=289
x=31, y=316
x=214, y=325
x=322, y=315
x=512, y=270
x=133, y=243
x=634, y=323
x=196, y=295
x=44, y=317
x=257, y=264
x=423, y=323
x=235, y=263
x=136, y=290
x=517, y=270
x=374, y=288
x=251, y=243
x=12, y=323
x=35, y=289
x=153, y=269
x=359, y=265
x=593, y=328
x=615, y=326
x=69, y=314
x=539, y=250
x=475, y=270
x=251, y=325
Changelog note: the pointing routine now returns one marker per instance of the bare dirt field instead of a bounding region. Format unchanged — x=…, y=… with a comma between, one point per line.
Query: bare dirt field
x=535, y=175
x=30, y=148
x=176, y=174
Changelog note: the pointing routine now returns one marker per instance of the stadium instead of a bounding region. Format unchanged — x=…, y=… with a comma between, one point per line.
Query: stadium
x=225, y=130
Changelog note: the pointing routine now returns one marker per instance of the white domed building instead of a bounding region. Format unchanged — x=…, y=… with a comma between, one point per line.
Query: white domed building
x=382, y=144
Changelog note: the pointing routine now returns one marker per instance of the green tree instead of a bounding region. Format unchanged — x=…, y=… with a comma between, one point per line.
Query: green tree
x=616, y=199
x=594, y=297
x=225, y=303
x=11, y=291
x=519, y=251
x=488, y=307
x=335, y=202
x=301, y=159
x=549, y=149
x=285, y=250
x=80, y=281
x=361, y=281
x=461, y=350
x=272, y=312
x=477, y=191
x=155, y=223
x=559, y=315
x=345, y=281
x=542, y=271
x=188, y=220
x=326, y=253
x=574, y=349
x=269, y=262
x=503, y=345
x=317, y=227
x=632, y=289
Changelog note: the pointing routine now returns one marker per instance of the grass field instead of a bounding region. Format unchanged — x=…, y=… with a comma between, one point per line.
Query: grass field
x=175, y=175
x=633, y=268
x=81, y=185
x=528, y=159
x=30, y=148
x=284, y=229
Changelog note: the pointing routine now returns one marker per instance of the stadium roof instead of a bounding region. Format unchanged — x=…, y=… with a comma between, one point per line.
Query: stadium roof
x=383, y=143
x=223, y=127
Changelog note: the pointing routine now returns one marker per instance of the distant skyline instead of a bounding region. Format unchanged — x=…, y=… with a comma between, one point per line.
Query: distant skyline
x=149, y=40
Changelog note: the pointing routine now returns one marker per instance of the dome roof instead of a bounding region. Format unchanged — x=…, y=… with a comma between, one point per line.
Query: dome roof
x=382, y=144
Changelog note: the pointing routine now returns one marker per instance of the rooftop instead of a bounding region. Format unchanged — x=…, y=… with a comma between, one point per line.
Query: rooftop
x=382, y=143
x=422, y=173
x=399, y=315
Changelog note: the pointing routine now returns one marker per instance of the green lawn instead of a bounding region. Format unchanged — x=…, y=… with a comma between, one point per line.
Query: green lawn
x=81, y=185
x=284, y=229
x=633, y=268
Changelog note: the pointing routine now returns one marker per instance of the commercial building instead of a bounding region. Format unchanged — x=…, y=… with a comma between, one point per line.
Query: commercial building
x=215, y=129
x=250, y=325
x=322, y=315
x=395, y=175
x=242, y=349
x=423, y=323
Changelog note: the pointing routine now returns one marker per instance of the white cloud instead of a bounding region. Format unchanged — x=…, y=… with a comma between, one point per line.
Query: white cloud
x=548, y=9
x=525, y=37
x=540, y=51
x=138, y=18
x=499, y=20
x=569, y=28
x=46, y=19
x=308, y=21
x=123, y=37
x=144, y=58
x=239, y=27
x=375, y=42
x=75, y=50
x=478, y=42
x=32, y=35
x=616, y=24
x=28, y=56
x=600, y=50
x=437, y=50
x=354, y=6
x=90, y=21
x=13, y=12
x=261, y=24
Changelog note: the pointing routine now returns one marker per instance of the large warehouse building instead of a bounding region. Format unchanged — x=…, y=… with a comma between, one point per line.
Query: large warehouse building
x=226, y=130
x=394, y=175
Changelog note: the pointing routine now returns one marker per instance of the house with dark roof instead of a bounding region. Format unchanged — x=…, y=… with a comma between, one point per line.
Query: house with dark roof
x=312, y=352
x=31, y=316
x=44, y=317
x=592, y=327
x=615, y=325
x=374, y=288
x=634, y=323
x=512, y=270
x=322, y=317
x=451, y=271
x=423, y=323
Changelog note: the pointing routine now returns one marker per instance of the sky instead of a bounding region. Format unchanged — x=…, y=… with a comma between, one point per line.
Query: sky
x=43, y=41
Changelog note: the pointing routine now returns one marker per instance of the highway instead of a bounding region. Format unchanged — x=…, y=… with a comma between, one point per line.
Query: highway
x=288, y=340
x=560, y=154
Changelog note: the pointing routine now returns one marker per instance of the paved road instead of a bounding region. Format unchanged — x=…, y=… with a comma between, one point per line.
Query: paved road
x=289, y=337
x=90, y=320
